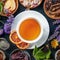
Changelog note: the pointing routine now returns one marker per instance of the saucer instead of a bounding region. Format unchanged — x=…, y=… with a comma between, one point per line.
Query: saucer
x=44, y=24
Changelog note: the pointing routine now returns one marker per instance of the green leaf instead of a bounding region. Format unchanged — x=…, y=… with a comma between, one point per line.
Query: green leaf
x=1, y=6
x=1, y=3
x=35, y=50
x=40, y=54
x=48, y=54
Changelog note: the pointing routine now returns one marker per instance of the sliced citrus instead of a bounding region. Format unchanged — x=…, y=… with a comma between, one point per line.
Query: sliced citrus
x=14, y=38
x=22, y=45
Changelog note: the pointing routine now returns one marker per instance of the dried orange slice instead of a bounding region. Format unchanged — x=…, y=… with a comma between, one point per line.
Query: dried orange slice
x=22, y=45
x=14, y=38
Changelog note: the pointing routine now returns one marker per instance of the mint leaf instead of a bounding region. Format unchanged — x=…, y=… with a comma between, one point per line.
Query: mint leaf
x=48, y=54
x=40, y=54
x=1, y=6
x=35, y=50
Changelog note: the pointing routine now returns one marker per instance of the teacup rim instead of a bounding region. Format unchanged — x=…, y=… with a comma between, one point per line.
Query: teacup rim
x=35, y=40
x=29, y=41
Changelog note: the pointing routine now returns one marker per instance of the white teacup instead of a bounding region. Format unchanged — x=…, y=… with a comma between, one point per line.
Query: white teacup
x=29, y=14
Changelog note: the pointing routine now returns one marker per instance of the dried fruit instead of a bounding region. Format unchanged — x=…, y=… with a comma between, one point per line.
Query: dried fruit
x=23, y=45
x=14, y=38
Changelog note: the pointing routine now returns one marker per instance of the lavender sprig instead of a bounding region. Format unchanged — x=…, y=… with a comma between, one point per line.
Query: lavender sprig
x=7, y=25
x=58, y=38
x=7, y=28
x=57, y=28
x=10, y=19
x=56, y=22
x=53, y=35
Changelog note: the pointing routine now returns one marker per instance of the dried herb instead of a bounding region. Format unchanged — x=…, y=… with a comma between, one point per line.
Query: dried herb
x=39, y=54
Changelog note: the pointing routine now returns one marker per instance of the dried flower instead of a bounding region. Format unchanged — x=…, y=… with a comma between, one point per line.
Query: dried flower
x=7, y=28
x=54, y=43
x=57, y=28
x=58, y=38
x=55, y=34
x=7, y=25
x=56, y=22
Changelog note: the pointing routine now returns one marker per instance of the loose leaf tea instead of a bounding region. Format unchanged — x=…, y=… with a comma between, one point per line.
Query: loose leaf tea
x=20, y=55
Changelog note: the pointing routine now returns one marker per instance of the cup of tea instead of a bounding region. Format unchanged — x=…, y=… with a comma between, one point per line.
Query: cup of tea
x=29, y=28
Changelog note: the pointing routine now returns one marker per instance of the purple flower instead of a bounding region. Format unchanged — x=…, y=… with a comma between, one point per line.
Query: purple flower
x=58, y=38
x=1, y=32
x=6, y=11
x=11, y=16
x=10, y=19
x=56, y=22
x=7, y=28
x=54, y=35
x=57, y=28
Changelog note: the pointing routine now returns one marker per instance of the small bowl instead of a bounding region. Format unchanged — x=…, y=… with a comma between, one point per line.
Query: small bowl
x=56, y=54
x=4, y=57
x=4, y=45
x=3, y=14
x=25, y=52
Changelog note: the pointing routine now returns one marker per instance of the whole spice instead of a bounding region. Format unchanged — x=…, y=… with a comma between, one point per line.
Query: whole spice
x=52, y=8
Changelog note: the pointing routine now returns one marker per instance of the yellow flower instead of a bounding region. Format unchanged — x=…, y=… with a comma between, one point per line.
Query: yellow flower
x=54, y=43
